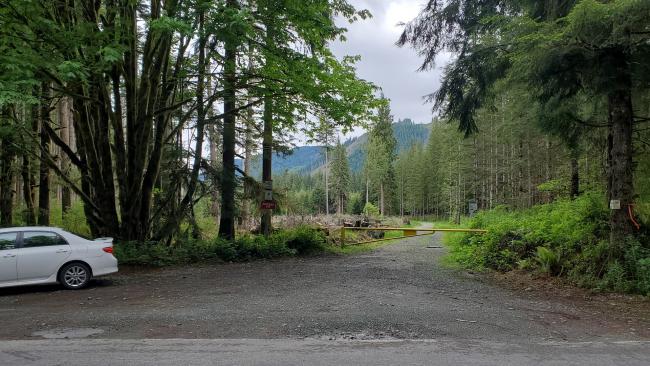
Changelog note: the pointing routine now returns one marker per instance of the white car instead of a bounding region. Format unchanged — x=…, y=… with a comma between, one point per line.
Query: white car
x=40, y=255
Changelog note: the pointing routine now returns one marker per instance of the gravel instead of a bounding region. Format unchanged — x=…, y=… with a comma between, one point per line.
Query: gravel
x=400, y=291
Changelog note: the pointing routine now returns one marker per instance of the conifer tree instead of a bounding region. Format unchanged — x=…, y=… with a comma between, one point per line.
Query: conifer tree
x=340, y=177
x=380, y=152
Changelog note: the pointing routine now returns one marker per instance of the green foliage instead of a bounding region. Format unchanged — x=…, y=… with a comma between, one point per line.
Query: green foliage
x=370, y=210
x=355, y=204
x=561, y=238
x=74, y=220
x=555, y=186
x=299, y=241
x=275, y=53
x=548, y=260
x=380, y=154
x=340, y=177
x=303, y=240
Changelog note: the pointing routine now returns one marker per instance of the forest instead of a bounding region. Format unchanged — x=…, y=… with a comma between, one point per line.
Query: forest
x=112, y=104
x=142, y=120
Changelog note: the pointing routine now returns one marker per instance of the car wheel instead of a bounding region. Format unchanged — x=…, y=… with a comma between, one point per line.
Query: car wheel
x=75, y=276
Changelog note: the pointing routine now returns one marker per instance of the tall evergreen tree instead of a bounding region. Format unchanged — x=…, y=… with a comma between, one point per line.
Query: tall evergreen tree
x=340, y=177
x=380, y=152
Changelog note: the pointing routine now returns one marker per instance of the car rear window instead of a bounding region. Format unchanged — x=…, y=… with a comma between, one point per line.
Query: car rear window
x=33, y=239
x=8, y=241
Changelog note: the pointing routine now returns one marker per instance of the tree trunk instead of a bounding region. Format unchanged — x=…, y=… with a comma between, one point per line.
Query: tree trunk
x=575, y=173
x=28, y=190
x=621, y=172
x=248, y=157
x=381, y=198
x=228, y=182
x=327, y=186
x=44, y=169
x=214, y=162
x=401, y=198
x=248, y=147
x=65, y=121
x=367, y=189
x=213, y=140
x=186, y=204
x=267, y=160
x=7, y=155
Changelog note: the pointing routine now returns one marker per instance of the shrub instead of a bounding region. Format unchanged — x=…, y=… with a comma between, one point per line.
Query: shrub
x=303, y=239
x=548, y=260
x=300, y=241
x=566, y=237
x=370, y=210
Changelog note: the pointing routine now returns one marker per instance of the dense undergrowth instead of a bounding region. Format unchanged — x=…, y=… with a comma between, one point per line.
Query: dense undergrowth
x=299, y=241
x=566, y=238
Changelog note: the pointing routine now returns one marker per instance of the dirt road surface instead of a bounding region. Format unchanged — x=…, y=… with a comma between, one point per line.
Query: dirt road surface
x=397, y=295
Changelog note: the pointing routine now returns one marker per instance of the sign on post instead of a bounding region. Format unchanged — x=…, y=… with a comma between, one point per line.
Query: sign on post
x=268, y=205
x=268, y=190
x=268, y=195
x=473, y=207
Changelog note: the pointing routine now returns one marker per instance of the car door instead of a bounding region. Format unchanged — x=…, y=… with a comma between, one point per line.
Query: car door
x=8, y=253
x=41, y=254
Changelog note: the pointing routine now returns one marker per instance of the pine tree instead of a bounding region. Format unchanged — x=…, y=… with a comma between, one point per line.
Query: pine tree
x=340, y=177
x=380, y=152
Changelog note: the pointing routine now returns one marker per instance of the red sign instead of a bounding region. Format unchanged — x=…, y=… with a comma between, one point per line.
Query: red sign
x=268, y=205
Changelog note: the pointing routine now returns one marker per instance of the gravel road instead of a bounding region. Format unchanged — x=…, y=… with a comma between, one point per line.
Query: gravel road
x=398, y=293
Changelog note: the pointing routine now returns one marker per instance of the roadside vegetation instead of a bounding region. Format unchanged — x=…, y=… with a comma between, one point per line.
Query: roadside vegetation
x=566, y=238
x=285, y=243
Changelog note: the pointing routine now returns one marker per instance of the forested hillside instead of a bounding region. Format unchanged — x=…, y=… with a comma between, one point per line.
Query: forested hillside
x=308, y=159
x=406, y=132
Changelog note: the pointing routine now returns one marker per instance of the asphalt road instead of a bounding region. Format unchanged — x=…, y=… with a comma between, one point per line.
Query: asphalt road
x=162, y=352
x=395, y=305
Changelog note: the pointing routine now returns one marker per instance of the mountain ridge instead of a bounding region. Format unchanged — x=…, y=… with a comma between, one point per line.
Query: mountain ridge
x=309, y=159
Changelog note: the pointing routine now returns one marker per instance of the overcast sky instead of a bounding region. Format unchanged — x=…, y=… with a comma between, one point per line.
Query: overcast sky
x=392, y=68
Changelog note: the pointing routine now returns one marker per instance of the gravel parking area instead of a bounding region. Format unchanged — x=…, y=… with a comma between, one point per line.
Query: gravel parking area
x=399, y=291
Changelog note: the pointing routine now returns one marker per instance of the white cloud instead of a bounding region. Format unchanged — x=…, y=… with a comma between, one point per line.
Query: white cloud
x=398, y=12
x=392, y=68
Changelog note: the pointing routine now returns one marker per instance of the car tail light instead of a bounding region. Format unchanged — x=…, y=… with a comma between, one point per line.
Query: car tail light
x=108, y=250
